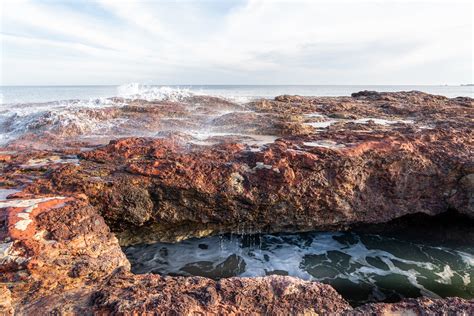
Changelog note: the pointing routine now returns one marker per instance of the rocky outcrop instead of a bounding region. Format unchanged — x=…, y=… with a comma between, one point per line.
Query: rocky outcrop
x=54, y=251
x=350, y=172
x=272, y=295
x=289, y=164
x=65, y=261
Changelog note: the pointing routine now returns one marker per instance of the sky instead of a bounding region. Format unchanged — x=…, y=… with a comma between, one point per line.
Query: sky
x=235, y=42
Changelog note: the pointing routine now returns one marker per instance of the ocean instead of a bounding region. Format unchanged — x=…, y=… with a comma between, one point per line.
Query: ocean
x=36, y=94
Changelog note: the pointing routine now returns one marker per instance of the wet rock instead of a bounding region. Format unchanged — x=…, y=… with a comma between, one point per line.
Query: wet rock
x=372, y=169
x=374, y=95
x=289, y=98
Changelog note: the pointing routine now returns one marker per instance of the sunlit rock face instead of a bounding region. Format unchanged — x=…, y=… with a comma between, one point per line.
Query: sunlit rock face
x=77, y=183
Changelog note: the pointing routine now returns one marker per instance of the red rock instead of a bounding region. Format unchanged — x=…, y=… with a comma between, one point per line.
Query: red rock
x=62, y=256
x=273, y=295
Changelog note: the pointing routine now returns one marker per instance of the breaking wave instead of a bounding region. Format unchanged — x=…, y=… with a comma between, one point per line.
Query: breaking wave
x=71, y=117
x=140, y=91
x=94, y=116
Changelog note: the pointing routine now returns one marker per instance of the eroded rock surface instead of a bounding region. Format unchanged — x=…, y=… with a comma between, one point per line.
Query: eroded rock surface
x=267, y=295
x=67, y=262
x=332, y=163
x=209, y=166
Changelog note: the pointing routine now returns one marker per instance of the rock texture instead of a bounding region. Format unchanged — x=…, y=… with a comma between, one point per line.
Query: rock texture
x=273, y=295
x=332, y=163
x=289, y=164
x=65, y=261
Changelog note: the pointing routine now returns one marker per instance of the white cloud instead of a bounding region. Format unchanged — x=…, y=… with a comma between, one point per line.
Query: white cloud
x=249, y=42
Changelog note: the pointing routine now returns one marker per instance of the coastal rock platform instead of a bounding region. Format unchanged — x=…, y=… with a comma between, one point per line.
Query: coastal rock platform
x=72, y=194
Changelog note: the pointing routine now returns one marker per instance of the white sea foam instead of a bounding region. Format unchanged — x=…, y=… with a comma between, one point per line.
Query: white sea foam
x=208, y=137
x=467, y=258
x=152, y=93
x=141, y=91
x=445, y=275
x=4, y=193
x=16, y=120
x=85, y=117
x=327, y=257
x=325, y=144
x=381, y=121
x=323, y=124
x=41, y=162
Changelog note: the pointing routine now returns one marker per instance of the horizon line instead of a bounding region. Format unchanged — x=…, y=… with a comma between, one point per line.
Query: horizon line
x=223, y=85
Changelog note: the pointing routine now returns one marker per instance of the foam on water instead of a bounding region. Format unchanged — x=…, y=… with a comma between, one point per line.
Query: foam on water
x=325, y=144
x=90, y=118
x=328, y=122
x=323, y=124
x=41, y=162
x=381, y=121
x=152, y=93
x=361, y=267
x=207, y=137
x=18, y=119
x=4, y=193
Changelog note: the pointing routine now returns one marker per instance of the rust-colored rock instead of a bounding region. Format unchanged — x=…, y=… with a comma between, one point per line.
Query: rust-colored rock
x=289, y=164
x=273, y=295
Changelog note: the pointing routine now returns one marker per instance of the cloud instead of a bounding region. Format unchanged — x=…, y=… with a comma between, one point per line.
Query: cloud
x=236, y=41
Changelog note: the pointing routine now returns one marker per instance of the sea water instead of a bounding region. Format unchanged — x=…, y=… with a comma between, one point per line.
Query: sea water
x=40, y=94
x=361, y=267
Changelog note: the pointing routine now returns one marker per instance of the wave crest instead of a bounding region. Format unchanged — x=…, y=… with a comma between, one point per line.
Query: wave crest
x=137, y=91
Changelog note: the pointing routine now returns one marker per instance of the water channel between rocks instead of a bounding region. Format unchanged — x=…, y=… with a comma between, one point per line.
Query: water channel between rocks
x=361, y=267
